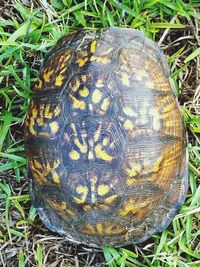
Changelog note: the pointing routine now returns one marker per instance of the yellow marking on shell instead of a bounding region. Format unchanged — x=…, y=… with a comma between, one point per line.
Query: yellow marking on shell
x=54, y=127
x=59, y=80
x=75, y=84
x=87, y=207
x=47, y=113
x=105, y=141
x=47, y=75
x=40, y=121
x=81, y=61
x=84, y=92
x=99, y=83
x=110, y=199
x=93, y=46
x=125, y=79
x=132, y=207
x=99, y=227
x=101, y=154
x=134, y=170
x=83, y=147
x=55, y=177
x=33, y=116
x=82, y=189
x=156, y=165
x=105, y=104
x=56, y=111
x=104, y=60
x=84, y=78
x=34, y=112
x=103, y=189
x=73, y=128
x=63, y=70
x=97, y=133
x=128, y=125
x=96, y=96
x=129, y=112
x=88, y=229
x=74, y=155
x=62, y=207
x=39, y=85
x=37, y=164
x=78, y=104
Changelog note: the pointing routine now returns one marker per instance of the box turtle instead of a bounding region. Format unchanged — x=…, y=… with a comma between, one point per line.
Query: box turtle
x=105, y=139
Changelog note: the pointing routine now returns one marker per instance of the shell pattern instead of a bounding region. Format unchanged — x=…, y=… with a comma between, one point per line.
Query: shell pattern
x=105, y=139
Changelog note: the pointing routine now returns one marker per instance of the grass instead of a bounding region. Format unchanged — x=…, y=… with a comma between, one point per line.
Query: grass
x=27, y=30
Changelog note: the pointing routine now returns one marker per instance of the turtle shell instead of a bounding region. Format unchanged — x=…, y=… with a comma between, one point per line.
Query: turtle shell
x=105, y=139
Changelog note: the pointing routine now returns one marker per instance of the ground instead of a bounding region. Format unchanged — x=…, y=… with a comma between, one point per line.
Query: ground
x=27, y=30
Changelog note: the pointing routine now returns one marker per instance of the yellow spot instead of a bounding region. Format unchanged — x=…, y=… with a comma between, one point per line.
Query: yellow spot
x=56, y=111
x=37, y=164
x=34, y=112
x=83, y=147
x=75, y=84
x=99, y=83
x=128, y=125
x=39, y=85
x=125, y=79
x=78, y=104
x=74, y=155
x=55, y=177
x=97, y=133
x=105, y=141
x=103, y=60
x=47, y=113
x=84, y=92
x=81, y=61
x=31, y=126
x=132, y=207
x=79, y=200
x=105, y=104
x=129, y=112
x=156, y=165
x=102, y=154
x=40, y=121
x=70, y=212
x=59, y=80
x=47, y=75
x=84, y=78
x=88, y=229
x=110, y=199
x=54, y=127
x=81, y=189
x=93, y=46
x=134, y=170
x=96, y=96
x=99, y=227
x=103, y=189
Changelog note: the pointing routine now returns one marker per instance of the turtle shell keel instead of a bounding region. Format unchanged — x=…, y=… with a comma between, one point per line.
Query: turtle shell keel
x=105, y=139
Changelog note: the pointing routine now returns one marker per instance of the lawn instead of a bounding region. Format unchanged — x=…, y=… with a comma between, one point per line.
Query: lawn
x=27, y=30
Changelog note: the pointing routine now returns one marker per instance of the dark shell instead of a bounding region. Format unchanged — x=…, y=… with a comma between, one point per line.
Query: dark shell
x=105, y=139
